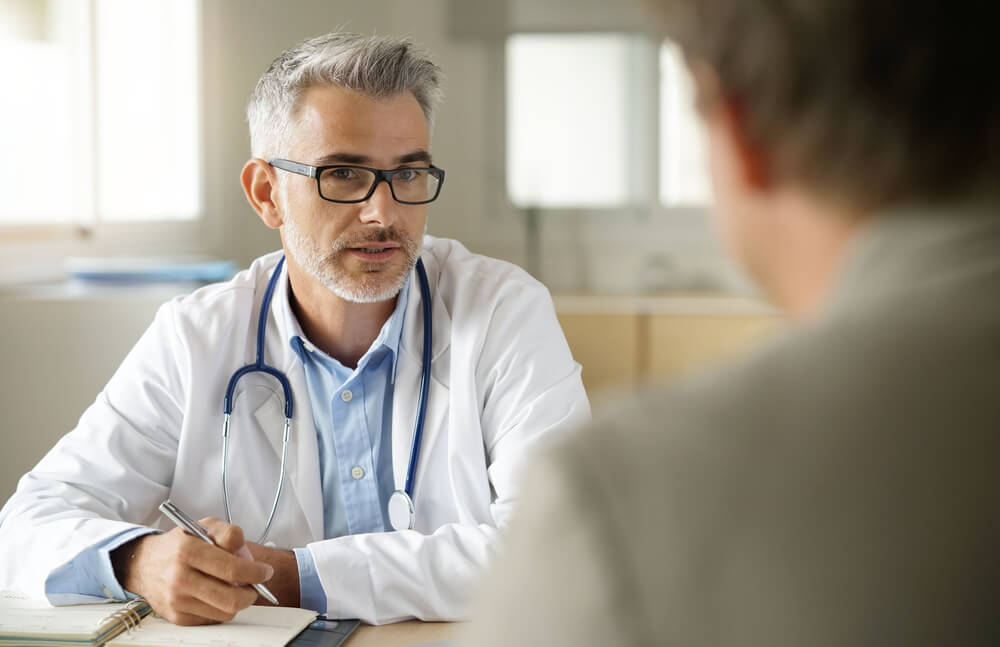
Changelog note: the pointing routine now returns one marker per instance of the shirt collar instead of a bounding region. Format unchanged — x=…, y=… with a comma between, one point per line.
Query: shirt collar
x=389, y=336
x=911, y=245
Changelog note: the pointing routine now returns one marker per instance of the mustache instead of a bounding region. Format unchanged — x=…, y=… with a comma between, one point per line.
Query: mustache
x=381, y=235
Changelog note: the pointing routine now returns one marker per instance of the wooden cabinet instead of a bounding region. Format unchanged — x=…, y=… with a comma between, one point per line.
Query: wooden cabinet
x=622, y=342
x=606, y=345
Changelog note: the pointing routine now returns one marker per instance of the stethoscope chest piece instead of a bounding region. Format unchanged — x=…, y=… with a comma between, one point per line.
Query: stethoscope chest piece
x=400, y=511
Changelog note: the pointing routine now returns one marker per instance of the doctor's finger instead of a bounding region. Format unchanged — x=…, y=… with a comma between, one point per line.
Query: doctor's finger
x=188, y=610
x=221, y=565
x=217, y=600
x=229, y=537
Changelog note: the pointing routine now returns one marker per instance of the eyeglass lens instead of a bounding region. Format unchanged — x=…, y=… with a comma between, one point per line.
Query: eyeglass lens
x=350, y=183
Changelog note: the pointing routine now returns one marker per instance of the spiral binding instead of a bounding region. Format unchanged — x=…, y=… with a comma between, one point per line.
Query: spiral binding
x=130, y=615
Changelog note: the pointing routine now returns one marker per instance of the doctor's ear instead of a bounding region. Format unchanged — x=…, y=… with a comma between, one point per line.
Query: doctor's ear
x=260, y=186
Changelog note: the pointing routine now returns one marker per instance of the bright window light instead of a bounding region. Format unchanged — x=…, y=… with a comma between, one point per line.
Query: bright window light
x=40, y=123
x=100, y=114
x=683, y=174
x=567, y=126
x=147, y=110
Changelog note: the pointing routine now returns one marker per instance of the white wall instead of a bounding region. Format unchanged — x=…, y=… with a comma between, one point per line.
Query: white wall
x=58, y=351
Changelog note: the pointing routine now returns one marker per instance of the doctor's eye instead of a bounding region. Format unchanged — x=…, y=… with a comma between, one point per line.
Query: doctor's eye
x=409, y=174
x=342, y=174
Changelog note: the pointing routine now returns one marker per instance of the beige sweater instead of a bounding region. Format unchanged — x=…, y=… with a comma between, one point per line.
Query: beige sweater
x=839, y=487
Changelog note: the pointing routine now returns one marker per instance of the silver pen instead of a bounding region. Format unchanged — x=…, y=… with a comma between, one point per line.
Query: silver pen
x=182, y=519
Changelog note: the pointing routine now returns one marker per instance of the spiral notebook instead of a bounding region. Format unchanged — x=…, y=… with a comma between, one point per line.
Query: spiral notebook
x=31, y=622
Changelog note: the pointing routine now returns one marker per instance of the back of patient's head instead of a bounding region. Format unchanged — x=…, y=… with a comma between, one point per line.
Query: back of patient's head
x=870, y=102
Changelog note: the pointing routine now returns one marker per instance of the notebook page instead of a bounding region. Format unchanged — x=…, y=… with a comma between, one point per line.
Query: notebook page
x=256, y=626
x=25, y=617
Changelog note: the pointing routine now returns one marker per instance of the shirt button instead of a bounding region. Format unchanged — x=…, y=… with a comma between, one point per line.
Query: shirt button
x=107, y=593
x=357, y=472
x=346, y=395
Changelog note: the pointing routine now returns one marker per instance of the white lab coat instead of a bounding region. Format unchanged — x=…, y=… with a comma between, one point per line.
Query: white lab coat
x=503, y=382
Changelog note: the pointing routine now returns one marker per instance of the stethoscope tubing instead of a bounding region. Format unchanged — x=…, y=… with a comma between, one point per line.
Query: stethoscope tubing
x=425, y=381
x=260, y=367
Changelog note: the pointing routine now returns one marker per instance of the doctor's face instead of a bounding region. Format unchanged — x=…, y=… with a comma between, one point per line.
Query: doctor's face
x=362, y=252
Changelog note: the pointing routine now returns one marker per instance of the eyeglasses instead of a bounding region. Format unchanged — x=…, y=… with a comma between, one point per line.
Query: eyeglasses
x=352, y=184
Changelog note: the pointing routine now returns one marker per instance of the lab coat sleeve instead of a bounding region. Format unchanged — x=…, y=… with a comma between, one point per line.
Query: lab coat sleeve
x=115, y=466
x=525, y=389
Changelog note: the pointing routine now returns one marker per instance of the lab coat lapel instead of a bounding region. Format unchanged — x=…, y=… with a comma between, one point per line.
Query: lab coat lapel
x=306, y=481
x=302, y=463
x=302, y=482
x=406, y=392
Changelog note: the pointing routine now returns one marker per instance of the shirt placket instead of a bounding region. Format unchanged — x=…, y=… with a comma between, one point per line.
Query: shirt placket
x=354, y=451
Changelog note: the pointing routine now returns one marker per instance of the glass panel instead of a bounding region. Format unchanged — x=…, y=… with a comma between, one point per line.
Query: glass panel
x=45, y=166
x=147, y=104
x=567, y=125
x=683, y=174
x=109, y=137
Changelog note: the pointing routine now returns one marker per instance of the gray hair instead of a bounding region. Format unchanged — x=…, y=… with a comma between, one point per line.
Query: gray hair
x=377, y=66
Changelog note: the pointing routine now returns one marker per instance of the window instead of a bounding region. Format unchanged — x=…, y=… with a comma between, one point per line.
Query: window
x=582, y=123
x=567, y=126
x=683, y=181
x=100, y=113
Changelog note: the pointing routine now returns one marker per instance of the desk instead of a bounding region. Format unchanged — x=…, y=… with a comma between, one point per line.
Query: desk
x=411, y=632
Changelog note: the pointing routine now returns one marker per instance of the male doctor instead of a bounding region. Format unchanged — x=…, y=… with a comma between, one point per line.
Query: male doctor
x=342, y=168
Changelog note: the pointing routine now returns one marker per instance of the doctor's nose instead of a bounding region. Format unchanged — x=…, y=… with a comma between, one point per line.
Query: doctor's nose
x=380, y=208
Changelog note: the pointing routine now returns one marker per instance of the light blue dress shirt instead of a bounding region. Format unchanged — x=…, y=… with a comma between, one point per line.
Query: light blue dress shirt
x=352, y=413
x=90, y=574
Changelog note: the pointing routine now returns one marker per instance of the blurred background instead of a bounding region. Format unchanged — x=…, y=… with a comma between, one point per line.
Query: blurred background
x=567, y=133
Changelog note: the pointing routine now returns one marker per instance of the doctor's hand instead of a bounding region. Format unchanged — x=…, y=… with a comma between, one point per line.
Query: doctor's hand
x=189, y=581
x=285, y=581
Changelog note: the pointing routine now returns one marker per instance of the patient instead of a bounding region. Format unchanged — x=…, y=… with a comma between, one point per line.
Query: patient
x=839, y=487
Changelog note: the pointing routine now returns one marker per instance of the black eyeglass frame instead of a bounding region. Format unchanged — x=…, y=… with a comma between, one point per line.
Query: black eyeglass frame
x=380, y=176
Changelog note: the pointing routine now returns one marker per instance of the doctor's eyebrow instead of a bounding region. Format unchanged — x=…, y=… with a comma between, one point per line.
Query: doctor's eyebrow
x=415, y=156
x=351, y=158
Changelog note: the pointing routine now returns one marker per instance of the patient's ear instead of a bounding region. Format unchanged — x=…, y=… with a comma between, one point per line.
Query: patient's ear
x=259, y=185
x=726, y=115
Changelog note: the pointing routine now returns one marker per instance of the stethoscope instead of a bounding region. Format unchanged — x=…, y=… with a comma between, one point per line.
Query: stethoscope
x=400, y=507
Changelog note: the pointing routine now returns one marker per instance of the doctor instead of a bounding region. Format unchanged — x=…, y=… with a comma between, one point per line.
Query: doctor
x=342, y=169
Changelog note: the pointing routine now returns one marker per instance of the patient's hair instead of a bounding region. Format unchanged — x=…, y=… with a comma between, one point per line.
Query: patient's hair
x=377, y=66
x=872, y=102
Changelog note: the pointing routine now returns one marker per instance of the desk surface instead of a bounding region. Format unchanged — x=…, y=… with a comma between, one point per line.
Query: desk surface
x=400, y=634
